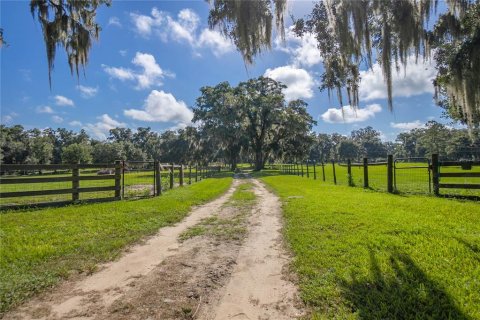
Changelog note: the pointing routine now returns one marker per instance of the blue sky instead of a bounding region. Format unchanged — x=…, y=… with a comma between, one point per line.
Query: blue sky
x=153, y=56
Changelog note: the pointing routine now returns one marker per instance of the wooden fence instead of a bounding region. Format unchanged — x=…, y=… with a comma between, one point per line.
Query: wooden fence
x=465, y=165
x=433, y=168
x=75, y=178
x=115, y=173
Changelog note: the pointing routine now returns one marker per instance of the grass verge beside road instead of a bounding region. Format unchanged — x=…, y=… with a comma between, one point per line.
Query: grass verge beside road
x=40, y=247
x=367, y=255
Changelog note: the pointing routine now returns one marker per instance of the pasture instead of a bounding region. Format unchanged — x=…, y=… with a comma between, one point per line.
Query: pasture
x=362, y=254
x=409, y=177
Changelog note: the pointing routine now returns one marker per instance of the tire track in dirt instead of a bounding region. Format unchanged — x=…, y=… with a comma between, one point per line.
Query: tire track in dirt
x=81, y=299
x=258, y=287
x=237, y=269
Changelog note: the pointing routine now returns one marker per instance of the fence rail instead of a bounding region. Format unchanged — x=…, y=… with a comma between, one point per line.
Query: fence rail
x=405, y=175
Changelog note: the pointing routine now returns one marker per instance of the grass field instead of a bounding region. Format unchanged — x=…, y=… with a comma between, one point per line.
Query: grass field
x=138, y=183
x=40, y=247
x=362, y=254
x=408, y=180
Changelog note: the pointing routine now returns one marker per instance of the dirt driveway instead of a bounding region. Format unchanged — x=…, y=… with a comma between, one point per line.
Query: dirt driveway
x=226, y=260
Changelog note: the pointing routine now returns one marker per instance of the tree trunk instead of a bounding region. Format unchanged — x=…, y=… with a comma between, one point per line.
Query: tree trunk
x=258, y=160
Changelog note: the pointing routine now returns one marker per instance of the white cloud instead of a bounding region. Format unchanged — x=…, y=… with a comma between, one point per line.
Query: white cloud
x=57, y=119
x=183, y=29
x=144, y=24
x=215, y=41
x=123, y=53
x=150, y=73
x=87, y=92
x=348, y=114
x=75, y=123
x=303, y=50
x=414, y=80
x=44, y=109
x=114, y=21
x=101, y=128
x=63, y=101
x=8, y=118
x=407, y=126
x=162, y=107
x=298, y=81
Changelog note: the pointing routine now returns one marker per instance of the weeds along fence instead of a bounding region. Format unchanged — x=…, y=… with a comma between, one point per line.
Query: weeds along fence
x=24, y=185
x=400, y=175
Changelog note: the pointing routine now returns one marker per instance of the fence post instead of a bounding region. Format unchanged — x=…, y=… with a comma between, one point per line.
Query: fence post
x=301, y=166
x=158, y=178
x=190, y=173
x=118, y=176
x=172, y=170
x=75, y=183
x=390, y=173
x=196, y=172
x=308, y=173
x=365, y=172
x=334, y=174
x=435, y=171
x=123, y=179
x=349, y=173
x=323, y=171
x=181, y=175
x=314, y=171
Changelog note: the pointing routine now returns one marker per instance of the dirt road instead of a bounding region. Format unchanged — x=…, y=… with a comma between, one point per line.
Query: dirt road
x=226, y=260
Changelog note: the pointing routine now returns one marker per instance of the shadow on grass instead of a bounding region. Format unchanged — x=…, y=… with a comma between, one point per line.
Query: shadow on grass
x=405, y=294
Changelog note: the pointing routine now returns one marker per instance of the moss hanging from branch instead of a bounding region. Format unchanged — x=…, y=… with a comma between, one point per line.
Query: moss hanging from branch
x=71, y=24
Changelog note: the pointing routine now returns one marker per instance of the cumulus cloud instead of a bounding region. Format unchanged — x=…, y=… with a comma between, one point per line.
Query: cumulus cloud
x=75, y=123
x=57, y=119
x=162, y=107
x=184, y=28
x=149, y=73
x=414, y=80
x=87, y=92
x=303, y=50
x=101, y=128
x=63, y=101
x=44, y=109
x=347, y=114
x=298, y=81
x=114, y=21
x=8, y=118
x=407, y=126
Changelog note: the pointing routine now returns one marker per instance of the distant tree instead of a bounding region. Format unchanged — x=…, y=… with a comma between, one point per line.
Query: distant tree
x=369, y=142
x=348, y=149
x=108, y=152
x=219, y=114
x=262, y=103
x=15, y=143
x=77, y=153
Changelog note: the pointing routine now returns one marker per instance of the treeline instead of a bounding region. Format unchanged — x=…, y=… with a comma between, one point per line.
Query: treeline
x=434, y=137
x=251, y=122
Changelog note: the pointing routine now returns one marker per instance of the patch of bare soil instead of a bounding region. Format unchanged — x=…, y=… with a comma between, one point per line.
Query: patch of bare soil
x=224, y=261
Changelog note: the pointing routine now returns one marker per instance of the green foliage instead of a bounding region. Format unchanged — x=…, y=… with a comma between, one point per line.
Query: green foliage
x=41, y=247
x=368, y=255
x=77, y=153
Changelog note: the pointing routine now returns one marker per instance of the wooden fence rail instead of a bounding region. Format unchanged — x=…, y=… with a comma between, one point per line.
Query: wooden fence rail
x=75, y=179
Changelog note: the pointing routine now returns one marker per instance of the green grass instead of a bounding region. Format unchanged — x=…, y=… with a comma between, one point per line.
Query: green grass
x=362, y=254
x=143, y=180
x=230, y=227
x=412, y=180
x=40, y=247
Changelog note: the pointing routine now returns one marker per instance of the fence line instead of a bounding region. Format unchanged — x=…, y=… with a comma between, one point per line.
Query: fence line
x=384, y=175
x=110, y=182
